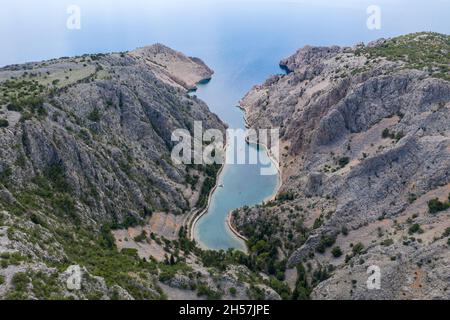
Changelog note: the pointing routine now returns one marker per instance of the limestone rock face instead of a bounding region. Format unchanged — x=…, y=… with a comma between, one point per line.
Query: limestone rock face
x=109, y=132
x=367, y=146
x=174, y=67
x=85, y=148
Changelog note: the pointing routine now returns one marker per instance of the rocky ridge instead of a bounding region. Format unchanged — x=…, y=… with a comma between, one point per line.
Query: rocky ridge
x=85, y=145
x=365, y=159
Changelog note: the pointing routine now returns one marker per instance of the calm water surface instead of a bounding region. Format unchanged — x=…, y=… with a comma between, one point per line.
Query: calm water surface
x=242, y=40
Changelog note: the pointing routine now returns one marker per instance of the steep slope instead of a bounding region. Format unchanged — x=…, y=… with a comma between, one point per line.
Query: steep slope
x=88, y=190
x=365, y=154
x=104, y=124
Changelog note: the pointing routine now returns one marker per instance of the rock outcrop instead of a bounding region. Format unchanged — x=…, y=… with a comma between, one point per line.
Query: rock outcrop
x=85, y=147
x=366, y=146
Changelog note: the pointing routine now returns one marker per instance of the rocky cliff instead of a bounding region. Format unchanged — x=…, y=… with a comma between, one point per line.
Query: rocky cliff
x=366, y=168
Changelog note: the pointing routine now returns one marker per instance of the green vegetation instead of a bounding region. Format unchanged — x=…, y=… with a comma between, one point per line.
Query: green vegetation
x=101, y=258
x=422, y=51
x=142, y=237
x=192, y=180
x=211, y=172
x=358, y=249
x=20, y=282
x=259, y=260
x=343, y=162
x=412, y=198
x=45, y=286
x=415, y=228
x=387, y=134
x=326, y=241
x=286, y=196
x=435, y=205
x=5, y=174
x=302, y=288
x=446, y=233
x=11, y=259
x=204, y=291
x=21, y=94
x=95, y=115
x=4, y=123
x=336, y=252
x=106, y=239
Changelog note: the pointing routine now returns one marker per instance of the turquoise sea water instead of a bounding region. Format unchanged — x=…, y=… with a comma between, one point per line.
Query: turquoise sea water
x=242, y=40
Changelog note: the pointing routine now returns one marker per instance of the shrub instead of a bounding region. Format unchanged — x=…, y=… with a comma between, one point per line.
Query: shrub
x=436, y=206
x=107, y=239
x=318, y=223
x=412, y=198
x=386, y=134
x=141, y=238
x=204, y=290
x=325, y=242
x=358, y=249
x=302, y=289
x=286, y=196
x=64, y=205
x=20, y=281
x=344, y=231
x=95, y=115
x=446, y=233
x=130, y=221
x=336, y=252
x=5, y=174
x=4, y=123
x=343, y=162
x=233, y=291
x=399, y=136
x=14, y=107
x=415, y=229
x=56, y=175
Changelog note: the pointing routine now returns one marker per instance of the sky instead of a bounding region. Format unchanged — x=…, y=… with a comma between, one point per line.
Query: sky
x=35, y=30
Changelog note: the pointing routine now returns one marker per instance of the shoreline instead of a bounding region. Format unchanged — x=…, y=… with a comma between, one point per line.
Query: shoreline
x=268, y=199
x=195, y=217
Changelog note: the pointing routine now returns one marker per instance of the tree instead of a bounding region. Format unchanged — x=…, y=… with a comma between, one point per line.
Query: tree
x=336, y=252
x=415, y=229
x=436, y=206
x=358, y=248
x=302, y=288
x=4, y=123
x=344, y=161
x=107, y=239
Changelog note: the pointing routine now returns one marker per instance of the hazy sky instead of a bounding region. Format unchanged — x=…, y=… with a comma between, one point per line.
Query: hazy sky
x=33, y=30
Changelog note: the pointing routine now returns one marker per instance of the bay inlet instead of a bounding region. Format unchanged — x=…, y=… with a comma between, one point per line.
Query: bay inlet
x=238, y=185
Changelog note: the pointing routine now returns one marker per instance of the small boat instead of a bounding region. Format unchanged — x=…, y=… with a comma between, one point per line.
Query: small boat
x=220, y=185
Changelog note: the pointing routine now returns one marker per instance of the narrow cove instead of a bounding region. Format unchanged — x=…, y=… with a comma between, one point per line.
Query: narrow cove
x=238, y=185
